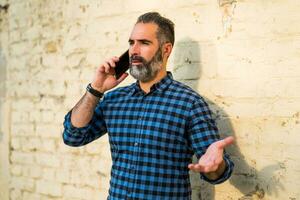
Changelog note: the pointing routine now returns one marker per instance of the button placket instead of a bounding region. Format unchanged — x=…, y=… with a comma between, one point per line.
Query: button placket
x=137, y=140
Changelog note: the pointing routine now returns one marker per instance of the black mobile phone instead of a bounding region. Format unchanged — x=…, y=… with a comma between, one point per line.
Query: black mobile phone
x=122, y=65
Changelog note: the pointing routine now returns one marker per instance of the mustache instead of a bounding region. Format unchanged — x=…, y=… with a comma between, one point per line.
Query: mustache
x=137, y=58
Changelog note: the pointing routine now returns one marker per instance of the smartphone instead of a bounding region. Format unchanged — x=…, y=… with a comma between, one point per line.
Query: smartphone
x=122, y=65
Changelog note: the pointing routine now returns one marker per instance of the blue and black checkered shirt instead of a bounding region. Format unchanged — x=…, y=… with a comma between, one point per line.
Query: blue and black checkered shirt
x=152, y=139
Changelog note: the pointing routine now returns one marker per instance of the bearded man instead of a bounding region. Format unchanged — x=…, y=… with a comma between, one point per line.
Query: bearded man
x=155, y=125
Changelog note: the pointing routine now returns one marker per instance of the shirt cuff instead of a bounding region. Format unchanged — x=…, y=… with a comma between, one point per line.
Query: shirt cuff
x=226, y=174
x=71, y=129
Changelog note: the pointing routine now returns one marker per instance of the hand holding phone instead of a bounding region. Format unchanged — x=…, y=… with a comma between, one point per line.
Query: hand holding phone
x=111, y=73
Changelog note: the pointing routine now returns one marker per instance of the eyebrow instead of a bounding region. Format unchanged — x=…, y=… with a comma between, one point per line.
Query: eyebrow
x=141, y=40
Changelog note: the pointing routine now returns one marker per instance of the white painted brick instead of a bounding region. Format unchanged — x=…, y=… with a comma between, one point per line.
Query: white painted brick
x=67, y=151
x=23, y=90
x=16, y=143
x=47, y=116
x=16, y=194
x=278, y=19
x=104, y=183
x=22, y=183
x=76, y=177
x=71, y=191
x=20, y=48
x=32, y=33
x=94, y=148
x=34, y=116
x=16, y=170
x=17, y=63
x=100, y=193
x=31, y=144
x=22, y=158
x=47, y=160
x=54, y=63
x=231, y=88
x=94, y=58
x=31, y=196
x=101, y=166
x=49, y=188
x=62, y=175
x=35, y=172
x=48, y=145
x=60, y=115
x=57, y=88
x=23, y=104
x=22, y=130
x=19, y=8
x=32, y=171
x=51, y=102
x=74, y=89
x=15, y=36
x=73, y=46
x=76, y=11
x=48, y=174
x=20, y=116
x=48, y=131
x=94, y=181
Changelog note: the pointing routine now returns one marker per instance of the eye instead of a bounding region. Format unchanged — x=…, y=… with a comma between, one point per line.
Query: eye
x=130, y=42
x=145, y=42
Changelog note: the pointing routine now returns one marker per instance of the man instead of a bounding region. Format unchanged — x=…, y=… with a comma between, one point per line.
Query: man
x=154, y=125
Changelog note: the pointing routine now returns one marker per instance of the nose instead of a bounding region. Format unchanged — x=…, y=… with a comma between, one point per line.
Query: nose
x=134, y=49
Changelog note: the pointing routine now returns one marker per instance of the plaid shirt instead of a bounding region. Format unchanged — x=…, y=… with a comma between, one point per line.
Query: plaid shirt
x=152, y=139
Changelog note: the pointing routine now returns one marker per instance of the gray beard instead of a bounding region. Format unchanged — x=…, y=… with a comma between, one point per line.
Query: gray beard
x=147, y=71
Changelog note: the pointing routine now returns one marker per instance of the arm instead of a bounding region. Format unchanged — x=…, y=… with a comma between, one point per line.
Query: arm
x=85, y=122
x=103, y=80
x=214, y=165
x=83, y=111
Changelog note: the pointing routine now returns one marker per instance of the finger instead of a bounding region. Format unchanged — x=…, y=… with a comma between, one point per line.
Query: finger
x=192, y=167
x=107, y=67
x=205, y=168
x=101, y=69
x=225, y=142
x=123, y=76
x=195, y=167
x=111, y=63
x=115, y=59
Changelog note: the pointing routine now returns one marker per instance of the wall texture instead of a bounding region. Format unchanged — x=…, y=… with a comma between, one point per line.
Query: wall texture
x=243, y=56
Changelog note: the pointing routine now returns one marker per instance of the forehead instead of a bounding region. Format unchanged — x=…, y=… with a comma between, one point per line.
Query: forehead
x=144, y=31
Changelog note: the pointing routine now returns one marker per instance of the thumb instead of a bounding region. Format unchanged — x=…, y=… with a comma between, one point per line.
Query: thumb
x=226, y=142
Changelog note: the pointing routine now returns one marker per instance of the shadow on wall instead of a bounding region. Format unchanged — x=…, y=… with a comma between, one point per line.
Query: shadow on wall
x=251, y=183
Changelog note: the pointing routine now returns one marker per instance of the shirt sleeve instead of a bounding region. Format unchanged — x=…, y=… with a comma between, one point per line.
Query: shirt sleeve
x=73, y=136
x=203, y=131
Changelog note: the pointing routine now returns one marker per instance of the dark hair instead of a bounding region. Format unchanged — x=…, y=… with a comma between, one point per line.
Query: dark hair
x=165, y=32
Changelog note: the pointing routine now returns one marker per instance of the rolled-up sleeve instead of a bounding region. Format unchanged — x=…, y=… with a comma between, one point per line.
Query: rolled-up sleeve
x=203, y=131
x=73, y=136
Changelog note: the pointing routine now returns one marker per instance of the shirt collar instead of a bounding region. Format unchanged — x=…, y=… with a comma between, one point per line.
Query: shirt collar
x=160, y=86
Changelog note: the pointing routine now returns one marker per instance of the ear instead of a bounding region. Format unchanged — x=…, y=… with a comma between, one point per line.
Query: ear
x=167, y=49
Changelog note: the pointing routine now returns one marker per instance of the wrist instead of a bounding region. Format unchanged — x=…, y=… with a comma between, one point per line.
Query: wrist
x=218, y=173
x=94, y=91
x=99, y=89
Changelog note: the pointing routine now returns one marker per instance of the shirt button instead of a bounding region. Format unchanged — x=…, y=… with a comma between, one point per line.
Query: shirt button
x=136, y=144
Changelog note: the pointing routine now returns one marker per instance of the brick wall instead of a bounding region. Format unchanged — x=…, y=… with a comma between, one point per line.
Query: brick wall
x=242, y=56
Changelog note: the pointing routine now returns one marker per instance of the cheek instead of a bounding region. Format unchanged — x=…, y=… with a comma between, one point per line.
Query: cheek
x=149, y=54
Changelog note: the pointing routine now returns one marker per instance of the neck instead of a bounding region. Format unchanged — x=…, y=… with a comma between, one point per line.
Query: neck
x=145, y=86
